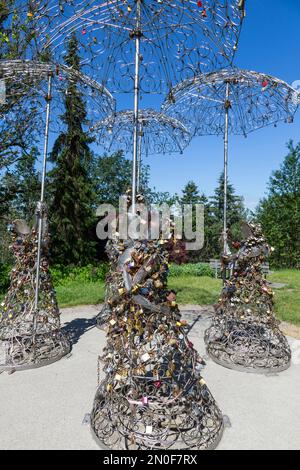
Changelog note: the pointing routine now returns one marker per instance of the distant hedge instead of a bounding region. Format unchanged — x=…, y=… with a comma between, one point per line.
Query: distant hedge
x=191, y=269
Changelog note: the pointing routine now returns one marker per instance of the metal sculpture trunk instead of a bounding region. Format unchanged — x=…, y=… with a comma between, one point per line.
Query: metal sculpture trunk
x=244, y=334
x=152, y=395
x=29, y=336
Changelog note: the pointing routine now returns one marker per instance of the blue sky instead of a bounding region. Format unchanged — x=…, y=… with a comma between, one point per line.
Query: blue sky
x=270, y=43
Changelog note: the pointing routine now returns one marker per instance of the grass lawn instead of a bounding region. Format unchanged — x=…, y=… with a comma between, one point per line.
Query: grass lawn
x=78, y=293
x=287, y=299
x=194, y=290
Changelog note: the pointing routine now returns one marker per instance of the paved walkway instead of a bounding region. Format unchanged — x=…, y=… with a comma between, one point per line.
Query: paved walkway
x=45, y=408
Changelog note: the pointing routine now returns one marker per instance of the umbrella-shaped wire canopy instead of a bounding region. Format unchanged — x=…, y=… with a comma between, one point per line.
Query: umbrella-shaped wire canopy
x=26, y=84
x=159, y=134
x=255, y=100
x=179, y=38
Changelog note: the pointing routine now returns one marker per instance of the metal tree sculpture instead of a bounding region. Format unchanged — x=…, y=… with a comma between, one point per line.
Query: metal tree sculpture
x=30, y=337
x=25, y=81
x=152, y=395
x=244, y=334
x=231, y=101
x=131, y=46
x=158, y=134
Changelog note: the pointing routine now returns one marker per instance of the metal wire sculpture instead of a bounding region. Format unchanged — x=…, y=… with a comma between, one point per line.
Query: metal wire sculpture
x=30, y=338
x=244, y=334
x=177, y=38
x=231, y=101
x=26, y=82
x=130, y=46
x=157, y=134
x=153, y=395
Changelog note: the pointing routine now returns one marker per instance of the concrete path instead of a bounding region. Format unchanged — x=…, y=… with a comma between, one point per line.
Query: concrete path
x=45, y=408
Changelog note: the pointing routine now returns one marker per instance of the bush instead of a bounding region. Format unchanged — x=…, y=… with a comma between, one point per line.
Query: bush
x=63, y=275
x=191, y=269
x=4, y=277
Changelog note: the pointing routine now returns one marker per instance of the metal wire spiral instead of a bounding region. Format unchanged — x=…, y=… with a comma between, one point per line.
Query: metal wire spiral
x=244, y=334
x=153, y=395
x=30, y=338
x=179, y=38
x=160, y=134
x=255, y=100
x=26, y=82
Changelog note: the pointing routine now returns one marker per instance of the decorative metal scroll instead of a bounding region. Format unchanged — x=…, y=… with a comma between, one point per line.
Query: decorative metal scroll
x=159, y=133
x=153, y=395
x=30, y=338
x=255, y=100
x=179, y=38
x=26, y=82
x=244, y=334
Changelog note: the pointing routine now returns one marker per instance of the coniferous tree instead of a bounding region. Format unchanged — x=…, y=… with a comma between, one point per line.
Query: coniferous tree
x=235, y=214
x=279, y=211
x=192, y=195
x=71, y=211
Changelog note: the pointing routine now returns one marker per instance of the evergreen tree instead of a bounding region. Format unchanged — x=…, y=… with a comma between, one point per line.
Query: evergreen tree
x=29, y=185
x=279, y=211
x=71, y=211
x=235, y=214
x=192, y=195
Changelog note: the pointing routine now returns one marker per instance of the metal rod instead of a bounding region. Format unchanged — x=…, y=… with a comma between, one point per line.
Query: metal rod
x=136, y=102
x=139, y=163
x=227, y=106
x=40, y=209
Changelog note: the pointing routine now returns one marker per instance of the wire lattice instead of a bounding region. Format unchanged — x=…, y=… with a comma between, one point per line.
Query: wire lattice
x=244, y=334
x=152, y=395
x=179, y=38
x=26, y=82
x=159, y=133
x=30, y=338
x=255, y=100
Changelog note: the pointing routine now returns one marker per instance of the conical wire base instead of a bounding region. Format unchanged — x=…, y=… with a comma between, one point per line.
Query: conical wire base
x=30, y=338
x=191, y=422
x=247, y=347
x=244, y=334
x=103, y=316
x=153, y=395
x=30, y=352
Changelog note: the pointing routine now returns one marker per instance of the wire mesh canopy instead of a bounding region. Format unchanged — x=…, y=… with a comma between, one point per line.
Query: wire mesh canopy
x=26, y=81
x=231, y=101
x=159, y=134
x=254, y=100
x=179, y=38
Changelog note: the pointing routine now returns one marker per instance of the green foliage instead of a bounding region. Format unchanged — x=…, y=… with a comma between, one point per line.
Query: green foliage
x=279, y=211
x=64, y=275
x=4, y=277
x=191, y=269
x=72, y=220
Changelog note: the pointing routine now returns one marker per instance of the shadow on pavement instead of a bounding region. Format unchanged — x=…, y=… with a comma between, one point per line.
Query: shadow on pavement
x=78, y=327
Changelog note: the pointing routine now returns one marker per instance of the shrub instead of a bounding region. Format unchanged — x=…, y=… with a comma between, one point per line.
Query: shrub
x=63, y=275
x=4, y=277
x=191, y=269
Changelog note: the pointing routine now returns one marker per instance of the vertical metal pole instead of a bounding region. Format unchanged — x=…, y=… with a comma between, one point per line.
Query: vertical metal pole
x=136, y=102
x=40, y=204
x=139, y=163
x=227, y=106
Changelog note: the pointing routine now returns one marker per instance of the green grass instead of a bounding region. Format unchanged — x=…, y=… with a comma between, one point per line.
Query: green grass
x=79, y=293
x=193, y=290
x=287, y=299
x=196, y=290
